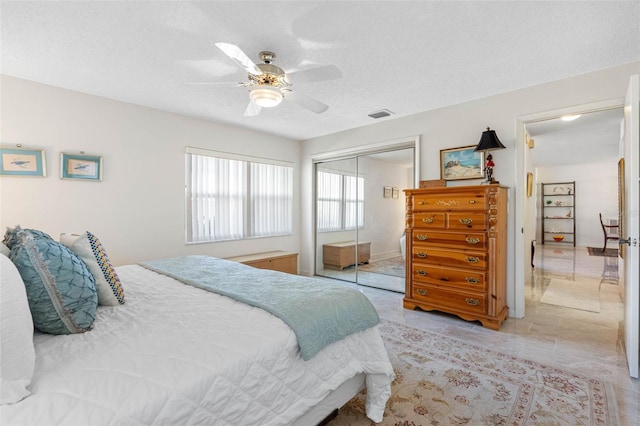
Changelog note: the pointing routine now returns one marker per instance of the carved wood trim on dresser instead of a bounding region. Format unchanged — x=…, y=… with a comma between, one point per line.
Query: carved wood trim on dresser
x=457, y=252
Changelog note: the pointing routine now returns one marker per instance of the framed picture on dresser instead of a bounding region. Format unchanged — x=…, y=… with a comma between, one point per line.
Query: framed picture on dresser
x=461, y=163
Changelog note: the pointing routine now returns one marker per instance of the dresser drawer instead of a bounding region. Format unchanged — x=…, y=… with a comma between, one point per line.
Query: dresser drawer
x=477, y=241
x=467, y=220
x=445, y=298
x=448, y=202
x=455, y=258
x=430, y=220
x=449, y=277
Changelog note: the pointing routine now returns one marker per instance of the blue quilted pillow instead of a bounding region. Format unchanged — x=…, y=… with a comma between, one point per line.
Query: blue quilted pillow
x=11, y=235
x=60, y=289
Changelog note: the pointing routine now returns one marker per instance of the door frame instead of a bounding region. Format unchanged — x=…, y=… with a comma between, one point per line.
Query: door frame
x=523, y=250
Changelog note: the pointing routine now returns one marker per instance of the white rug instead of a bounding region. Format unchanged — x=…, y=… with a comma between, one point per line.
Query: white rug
x=583, y=294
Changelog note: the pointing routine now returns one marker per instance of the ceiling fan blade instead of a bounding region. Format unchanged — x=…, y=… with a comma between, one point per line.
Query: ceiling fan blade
x=215, y=83
x=239, y=57
x=252, y=109
x=306, y=102
x=325, y=72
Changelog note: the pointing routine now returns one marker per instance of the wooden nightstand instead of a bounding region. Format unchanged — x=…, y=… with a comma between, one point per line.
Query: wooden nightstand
x=279, y=260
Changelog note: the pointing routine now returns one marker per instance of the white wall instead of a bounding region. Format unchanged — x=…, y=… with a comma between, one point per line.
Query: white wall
x=596, y=192
x=138, y=210
x=384, y=217
x=461, y=125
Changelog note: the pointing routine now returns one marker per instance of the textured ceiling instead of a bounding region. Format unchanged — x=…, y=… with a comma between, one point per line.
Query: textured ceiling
x=404, y=56
x=593, y=137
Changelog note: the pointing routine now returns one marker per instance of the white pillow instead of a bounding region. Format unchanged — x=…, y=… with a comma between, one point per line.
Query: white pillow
x=17, y=354
x=88, y=248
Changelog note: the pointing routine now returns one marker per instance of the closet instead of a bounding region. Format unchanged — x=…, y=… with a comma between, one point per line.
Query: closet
x=359, y=207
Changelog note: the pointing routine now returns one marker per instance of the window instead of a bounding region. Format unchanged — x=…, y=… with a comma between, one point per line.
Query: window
x=232, y=197
x=340, y=201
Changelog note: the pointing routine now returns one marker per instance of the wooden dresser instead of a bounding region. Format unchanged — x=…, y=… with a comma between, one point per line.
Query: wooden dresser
x=282, y=261
x=457, y=252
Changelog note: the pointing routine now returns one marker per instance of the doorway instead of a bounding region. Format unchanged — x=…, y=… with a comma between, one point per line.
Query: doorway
x=360, y=212
x=579, y=158
x=527, y=205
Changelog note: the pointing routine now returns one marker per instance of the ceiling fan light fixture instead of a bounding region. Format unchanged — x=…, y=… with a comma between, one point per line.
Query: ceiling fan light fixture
x=265, y=97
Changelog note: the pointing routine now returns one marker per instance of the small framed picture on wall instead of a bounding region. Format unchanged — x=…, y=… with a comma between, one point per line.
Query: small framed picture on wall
x=386, y=192
x=80, y=166
x=22, y=162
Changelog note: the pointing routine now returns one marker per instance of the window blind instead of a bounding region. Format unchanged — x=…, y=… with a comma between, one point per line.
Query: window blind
x=231, y=199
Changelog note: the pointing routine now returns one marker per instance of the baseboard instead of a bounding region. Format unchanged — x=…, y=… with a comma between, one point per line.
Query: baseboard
x=383, y=256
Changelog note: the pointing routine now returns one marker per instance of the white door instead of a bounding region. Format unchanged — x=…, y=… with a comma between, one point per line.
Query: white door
x=631, y=223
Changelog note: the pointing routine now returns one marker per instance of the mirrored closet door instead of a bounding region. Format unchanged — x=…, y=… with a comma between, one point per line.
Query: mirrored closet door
x=360, y=217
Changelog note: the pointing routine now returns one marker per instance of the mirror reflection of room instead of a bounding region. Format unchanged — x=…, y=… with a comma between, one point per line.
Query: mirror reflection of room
x=360, y=218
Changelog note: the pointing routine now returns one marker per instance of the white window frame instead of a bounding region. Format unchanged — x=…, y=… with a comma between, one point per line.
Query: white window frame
x=342, y=201
x=259, y=216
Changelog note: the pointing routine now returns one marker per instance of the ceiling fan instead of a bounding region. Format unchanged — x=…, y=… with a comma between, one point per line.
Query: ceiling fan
x=269, y=84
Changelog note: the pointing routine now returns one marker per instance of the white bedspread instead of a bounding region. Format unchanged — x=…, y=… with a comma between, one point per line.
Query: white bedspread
x=174, y=354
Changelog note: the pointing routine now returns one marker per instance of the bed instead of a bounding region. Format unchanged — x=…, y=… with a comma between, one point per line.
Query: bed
x=178, y=354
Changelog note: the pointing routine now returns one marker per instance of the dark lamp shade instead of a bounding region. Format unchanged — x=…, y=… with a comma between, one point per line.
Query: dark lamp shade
x=489, y=141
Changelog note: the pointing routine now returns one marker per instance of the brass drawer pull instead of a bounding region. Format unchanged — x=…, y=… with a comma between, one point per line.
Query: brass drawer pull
x=428, y=219
x=472, y=280
x=472, y=259
x=472, y=302
x=422, y=237
x=472, y=201
x=421, y=273
x=472, y=240
x=421, y=292
x=421, y=254
x=466, y=221
x=421, y=203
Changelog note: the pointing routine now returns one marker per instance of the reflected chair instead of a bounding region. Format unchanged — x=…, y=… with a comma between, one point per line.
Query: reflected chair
x=610, y=270
x=611, y=232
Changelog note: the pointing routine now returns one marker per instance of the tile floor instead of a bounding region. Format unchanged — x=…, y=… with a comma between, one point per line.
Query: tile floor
x=584, y=341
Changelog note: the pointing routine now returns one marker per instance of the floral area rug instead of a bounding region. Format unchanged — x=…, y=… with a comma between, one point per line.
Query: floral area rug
x=443, y=381
x=393, y=266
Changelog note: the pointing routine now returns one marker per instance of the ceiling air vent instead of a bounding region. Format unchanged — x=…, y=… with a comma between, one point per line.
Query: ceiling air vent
x=380, y=114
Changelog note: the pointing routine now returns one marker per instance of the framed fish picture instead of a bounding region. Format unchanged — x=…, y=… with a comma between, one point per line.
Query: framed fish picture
x=80, y=166
x=22, y=162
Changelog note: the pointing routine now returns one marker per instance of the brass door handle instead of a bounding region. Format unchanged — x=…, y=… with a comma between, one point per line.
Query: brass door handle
x=466, y=221
x=472, y=280
x=421, y=292
x=428, y=219
x=472, y=240
x=421, y=254
x=472, y=259
x=422, y=237
x=472, y=302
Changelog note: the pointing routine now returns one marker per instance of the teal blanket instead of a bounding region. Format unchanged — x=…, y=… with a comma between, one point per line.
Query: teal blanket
x=319, y=312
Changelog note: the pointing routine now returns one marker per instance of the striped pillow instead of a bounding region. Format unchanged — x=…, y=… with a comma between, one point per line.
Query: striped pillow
x=88, y=248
